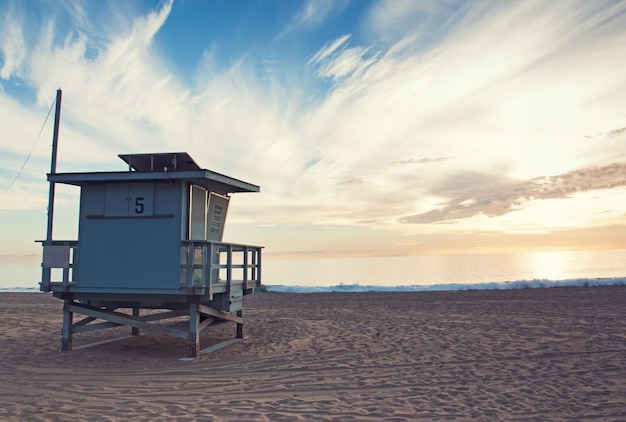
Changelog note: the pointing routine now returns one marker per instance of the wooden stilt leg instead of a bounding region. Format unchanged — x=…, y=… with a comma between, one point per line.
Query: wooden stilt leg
x=135, y=331
x=239, y=326
x=66, y=332
x=193, y=339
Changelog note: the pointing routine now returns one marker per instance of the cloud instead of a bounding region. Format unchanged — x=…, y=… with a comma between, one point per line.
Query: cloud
x=122, y=80
x=493, y=196
x=487, y=96
x=329, y=49
x=315, y=12
x=349, y=62
x=13, y=48
x=421, y=160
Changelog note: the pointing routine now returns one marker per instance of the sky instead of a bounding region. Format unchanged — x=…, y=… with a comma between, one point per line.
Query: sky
x=374, y=128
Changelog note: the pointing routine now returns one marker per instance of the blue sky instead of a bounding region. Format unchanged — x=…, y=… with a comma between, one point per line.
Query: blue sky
x=373, y=128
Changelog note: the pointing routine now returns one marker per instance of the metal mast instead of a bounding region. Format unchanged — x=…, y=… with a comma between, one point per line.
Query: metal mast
x=53, y=164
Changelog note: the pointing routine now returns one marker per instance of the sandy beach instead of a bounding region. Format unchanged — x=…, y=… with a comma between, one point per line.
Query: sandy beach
x=534, y=354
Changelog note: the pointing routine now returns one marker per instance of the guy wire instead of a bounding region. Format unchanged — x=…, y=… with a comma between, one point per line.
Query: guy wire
x=32, y=149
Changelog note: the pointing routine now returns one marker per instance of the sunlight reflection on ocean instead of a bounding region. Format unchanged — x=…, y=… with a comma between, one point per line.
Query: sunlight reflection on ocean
x=446, y=270
x=451, y=272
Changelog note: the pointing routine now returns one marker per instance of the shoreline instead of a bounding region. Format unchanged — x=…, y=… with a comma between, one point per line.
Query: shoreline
x=361, y=288
x=554, y=353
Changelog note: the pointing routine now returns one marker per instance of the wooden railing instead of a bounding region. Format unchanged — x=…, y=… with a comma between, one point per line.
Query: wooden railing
x=204, y=265
x=60, y=258
x=211, y=265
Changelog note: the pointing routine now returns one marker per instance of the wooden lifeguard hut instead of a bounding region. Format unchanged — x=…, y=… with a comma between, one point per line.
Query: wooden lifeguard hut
x=150, y=238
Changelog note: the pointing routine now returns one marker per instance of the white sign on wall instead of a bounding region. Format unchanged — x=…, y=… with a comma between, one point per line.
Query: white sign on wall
x=216, y=216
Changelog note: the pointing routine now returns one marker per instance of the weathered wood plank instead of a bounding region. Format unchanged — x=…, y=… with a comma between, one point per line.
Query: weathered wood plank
x=164, y=315
x=123, y=319
x=83, y=321
x=219, y=314
x=206, y=323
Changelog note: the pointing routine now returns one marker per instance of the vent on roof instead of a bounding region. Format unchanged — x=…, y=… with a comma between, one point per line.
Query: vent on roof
x=159, y=162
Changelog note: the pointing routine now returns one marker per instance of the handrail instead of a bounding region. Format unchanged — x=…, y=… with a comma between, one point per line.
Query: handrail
x=204, y=263
x=69, y=264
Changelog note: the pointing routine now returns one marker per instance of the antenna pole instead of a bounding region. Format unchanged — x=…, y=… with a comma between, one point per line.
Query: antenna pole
x=53, y=164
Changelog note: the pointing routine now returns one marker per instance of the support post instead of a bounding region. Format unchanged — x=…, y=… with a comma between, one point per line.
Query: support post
x=135, y=331
x=53, y=165
x=193, y=340
x=66, y=332
x=240, y=325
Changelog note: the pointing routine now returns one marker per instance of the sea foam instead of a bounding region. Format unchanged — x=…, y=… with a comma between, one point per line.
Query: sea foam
x=507, y=285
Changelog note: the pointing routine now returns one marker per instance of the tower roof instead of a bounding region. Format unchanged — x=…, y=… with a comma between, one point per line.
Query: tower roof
x=159, y=167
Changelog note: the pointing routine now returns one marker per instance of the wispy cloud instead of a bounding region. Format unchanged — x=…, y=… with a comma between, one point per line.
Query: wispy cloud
x=314, y=13
x=421, y=160
x=13, y=48
x=493, y=196
x=329, y=48
x=350, y=62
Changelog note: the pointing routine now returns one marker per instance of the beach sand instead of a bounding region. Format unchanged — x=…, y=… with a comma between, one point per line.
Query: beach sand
x=534, y=354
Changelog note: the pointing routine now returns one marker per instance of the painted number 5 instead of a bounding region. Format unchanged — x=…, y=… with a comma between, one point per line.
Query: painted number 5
x=138, y=205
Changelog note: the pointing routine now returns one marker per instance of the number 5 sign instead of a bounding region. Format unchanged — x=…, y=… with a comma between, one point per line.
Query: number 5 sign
x=129, y=200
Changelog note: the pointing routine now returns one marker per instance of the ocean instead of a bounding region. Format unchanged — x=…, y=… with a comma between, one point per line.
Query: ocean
x=411, y=273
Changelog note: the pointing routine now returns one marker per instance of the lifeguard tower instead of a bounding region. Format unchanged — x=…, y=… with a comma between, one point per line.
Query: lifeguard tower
x=150, y=238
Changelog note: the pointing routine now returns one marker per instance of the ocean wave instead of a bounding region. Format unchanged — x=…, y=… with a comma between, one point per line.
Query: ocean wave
x=19, y=289
x=506, y=285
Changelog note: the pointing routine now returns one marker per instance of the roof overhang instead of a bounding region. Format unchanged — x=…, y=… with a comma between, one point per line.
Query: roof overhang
x=208, y=179
x=165, y=166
